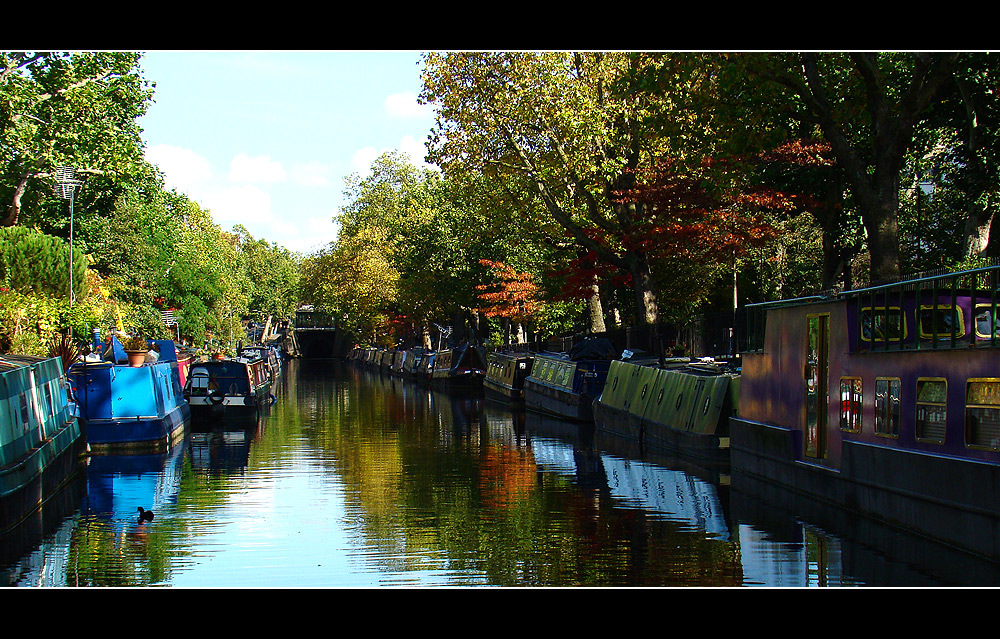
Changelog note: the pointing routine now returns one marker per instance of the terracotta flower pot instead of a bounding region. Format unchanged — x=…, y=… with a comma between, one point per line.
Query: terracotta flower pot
x=136, y=358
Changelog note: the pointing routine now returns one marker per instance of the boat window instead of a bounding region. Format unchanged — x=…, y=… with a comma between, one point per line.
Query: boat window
x=943, y=321
x=25, y=410
x=659, y=397
x=887, y=406
x=931, y=407
x=888, y=323
x=642, y=395
x=614, y=384
x=680, y=396
x=982, y=413
x=986, y=324
x=850, y=404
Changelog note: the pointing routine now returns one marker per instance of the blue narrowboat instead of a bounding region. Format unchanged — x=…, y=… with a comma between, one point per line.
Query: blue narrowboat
x=883, y=400
x=505, y=375
x=681, y=406
x=131, y=407
x=40, y=439
x=228, y=387
x=566, y=384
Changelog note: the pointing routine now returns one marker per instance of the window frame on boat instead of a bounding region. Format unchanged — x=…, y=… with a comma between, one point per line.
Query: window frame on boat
x=921, y=402
x=892, y=408
x=932, y=312
x=873, y=313
x=852, y=408
x=991, y=309
x=981, y=405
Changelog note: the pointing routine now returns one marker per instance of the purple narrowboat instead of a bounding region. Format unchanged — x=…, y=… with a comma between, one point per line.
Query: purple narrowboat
x=884, y=401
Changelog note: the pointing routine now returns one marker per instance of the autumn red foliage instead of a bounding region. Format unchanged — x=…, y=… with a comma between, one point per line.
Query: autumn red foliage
x=512, y=295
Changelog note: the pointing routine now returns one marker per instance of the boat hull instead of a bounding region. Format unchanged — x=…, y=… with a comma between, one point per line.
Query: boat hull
x=565, y=388
x=152, y=434
x=40, y=440
x=505, y=375
x=896, y=486
x=39, y=475
x=683, y=410
x=130, y=409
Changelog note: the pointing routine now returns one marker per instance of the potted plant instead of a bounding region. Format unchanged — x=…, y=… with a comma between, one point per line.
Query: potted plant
x=136, y=348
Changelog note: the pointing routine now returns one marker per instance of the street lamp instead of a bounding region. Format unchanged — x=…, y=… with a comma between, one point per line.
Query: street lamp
x=66, y=184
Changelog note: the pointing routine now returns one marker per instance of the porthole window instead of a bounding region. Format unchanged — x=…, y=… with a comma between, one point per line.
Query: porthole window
x=679, y=398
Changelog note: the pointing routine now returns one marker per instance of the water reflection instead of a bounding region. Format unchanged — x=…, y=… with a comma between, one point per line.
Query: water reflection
x=360, y=479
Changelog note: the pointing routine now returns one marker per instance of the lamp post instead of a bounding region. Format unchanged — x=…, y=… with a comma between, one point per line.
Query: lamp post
x=66, y=184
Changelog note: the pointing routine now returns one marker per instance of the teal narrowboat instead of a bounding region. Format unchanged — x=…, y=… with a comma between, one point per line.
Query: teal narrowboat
x=40, y=439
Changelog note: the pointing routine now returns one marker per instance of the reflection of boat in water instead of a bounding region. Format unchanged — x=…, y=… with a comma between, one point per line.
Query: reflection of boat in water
x=40, y=441
x=790, y=540
x=673, y=494
x=224, y=448
x=118, y=484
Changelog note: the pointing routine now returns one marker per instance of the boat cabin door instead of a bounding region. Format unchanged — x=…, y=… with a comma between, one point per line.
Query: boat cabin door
x=816, y=379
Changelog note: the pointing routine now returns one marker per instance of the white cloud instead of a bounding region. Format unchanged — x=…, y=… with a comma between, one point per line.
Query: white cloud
x=361, y=162
x=405, y=105
x=247, y=205
x=311, y=174
x=260, y=169
x=416, y=150
x=183, y=169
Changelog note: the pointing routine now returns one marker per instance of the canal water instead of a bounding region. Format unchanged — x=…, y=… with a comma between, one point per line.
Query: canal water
x=355, y=479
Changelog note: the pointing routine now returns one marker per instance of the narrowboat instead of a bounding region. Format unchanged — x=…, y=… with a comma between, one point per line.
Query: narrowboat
x=459, y=367
x=131, y=407
x=505, y=375
x=415, y=363
x=228, y=387
x=681, y=407
x=270, y=357
x=566, y=384
x=40, y=439
x=884, y=401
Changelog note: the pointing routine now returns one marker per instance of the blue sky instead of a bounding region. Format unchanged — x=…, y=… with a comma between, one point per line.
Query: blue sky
x=266, y=138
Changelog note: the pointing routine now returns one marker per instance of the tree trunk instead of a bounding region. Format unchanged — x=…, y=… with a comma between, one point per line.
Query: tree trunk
x=15, y=204
x=646, y=308
x=881, y=221
x=978, y=231
x=595, y=311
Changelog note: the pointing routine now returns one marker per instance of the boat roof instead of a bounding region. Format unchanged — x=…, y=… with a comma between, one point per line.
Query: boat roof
x=920, y=281
x=12, y=362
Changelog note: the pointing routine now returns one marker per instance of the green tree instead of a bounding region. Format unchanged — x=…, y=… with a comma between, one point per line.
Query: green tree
x=62, y=109
x=39, y=263
x=869, y=107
